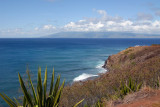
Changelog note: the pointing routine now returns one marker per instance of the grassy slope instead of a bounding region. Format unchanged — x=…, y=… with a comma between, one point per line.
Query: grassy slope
x=141, y=63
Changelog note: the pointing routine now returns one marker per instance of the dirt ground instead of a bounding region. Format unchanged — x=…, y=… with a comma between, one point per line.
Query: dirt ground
x=144, y=98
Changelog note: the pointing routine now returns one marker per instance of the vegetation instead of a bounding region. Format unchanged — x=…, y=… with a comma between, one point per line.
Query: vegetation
x=131, y=56
x=127, y=51
x=133, y=63
x=39, y=98
x=143, y=69
x=128, y=72
x=125, y=88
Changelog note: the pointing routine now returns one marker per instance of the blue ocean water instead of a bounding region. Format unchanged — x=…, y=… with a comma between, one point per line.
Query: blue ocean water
x=73, y=59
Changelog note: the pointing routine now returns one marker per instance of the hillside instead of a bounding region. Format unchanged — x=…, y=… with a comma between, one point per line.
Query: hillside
x=141, y=63
x=146, y=97
x=127, y=59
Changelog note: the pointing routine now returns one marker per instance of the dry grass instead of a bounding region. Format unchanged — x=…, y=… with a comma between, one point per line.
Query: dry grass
x=142, y=64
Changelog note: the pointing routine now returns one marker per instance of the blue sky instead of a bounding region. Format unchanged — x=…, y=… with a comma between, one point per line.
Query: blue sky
x=35, y=18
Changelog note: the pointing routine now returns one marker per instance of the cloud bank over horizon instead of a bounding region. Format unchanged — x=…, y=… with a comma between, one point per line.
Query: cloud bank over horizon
x=143, y=23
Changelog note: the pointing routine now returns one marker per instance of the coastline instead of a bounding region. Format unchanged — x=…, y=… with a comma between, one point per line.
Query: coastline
x=137, y=63
x=44, y=52
x=85, y=76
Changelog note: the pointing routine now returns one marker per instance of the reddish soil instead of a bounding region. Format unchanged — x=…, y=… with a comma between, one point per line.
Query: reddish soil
x=145, y=98
x=141, y=63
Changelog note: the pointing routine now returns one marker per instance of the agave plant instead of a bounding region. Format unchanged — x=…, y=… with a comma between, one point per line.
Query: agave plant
x=125, y=88
x=39, y=97
x=157, y=83
x=98, y=104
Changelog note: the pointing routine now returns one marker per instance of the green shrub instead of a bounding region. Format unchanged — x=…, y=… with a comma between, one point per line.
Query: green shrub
x=125, y=88
x=127, y=51
x=132, y=56
x=39, y=98
x=98, y=104
x=157, y=83
x=133, y=63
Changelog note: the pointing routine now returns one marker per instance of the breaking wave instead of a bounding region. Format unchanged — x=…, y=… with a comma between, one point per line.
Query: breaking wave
x=136, y=45
x=99, y=67
x=83, y=77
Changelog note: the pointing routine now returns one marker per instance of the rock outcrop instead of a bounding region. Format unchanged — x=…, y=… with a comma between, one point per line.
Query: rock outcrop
x=141, y=63
x=132, y=56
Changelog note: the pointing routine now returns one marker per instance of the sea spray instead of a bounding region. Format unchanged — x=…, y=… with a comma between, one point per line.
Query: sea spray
x=100, y=68
x=83, y=76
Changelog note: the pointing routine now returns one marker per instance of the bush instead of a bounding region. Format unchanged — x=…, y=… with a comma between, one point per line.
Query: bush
x=132, y=56
x=125, y=88
x=127, y=51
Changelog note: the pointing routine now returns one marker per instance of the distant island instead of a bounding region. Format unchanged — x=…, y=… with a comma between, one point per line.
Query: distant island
x=100, y=35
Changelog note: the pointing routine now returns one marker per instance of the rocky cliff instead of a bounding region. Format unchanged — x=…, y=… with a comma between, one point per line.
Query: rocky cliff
x=141, y=63
x=132, y=57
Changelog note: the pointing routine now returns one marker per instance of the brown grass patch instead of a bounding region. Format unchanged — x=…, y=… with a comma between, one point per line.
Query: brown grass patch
x=142, y=66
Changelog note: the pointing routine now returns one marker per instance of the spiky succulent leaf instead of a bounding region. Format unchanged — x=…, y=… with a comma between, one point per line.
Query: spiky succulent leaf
x=49, y=101
x=17, y=102
x=78, y=103
x=10, y=102
x=56, y=86
x=33, y=90
x=139, y=86
x=58, y=94
x=52, y=81
x=24, y=101
x=130, y=83
x=45, y=87
x=39, y=88
x=25, y=92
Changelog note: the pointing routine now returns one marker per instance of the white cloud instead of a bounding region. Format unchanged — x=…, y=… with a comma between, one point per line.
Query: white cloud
x=21, y=33
x=48, y=27
x=117, y=24
x=88, y=26
x=45, y=28
x=105, y=23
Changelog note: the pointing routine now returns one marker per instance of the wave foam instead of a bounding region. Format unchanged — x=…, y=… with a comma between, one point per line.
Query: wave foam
x=99, y=66
x=136, y=45
x=83, y=77
x=102, y=70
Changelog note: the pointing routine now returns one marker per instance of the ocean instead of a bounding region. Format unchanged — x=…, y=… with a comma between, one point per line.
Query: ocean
x=73, y=59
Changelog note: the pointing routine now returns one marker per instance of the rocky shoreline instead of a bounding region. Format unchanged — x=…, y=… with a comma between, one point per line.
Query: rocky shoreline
x=132, y=56
x=141, y=63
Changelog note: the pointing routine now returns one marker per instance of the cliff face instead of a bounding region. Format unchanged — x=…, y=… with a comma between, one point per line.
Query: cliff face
x=141, y=63
x=133, y=57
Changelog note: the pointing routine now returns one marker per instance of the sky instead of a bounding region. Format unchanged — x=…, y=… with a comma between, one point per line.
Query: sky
x=37, y=18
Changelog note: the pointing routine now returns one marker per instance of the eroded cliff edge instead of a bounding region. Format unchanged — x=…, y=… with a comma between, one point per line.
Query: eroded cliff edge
x=141, y=63
x=132, y=57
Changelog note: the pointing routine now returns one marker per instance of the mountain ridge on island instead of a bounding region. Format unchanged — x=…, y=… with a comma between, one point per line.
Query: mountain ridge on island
x=97, y=34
